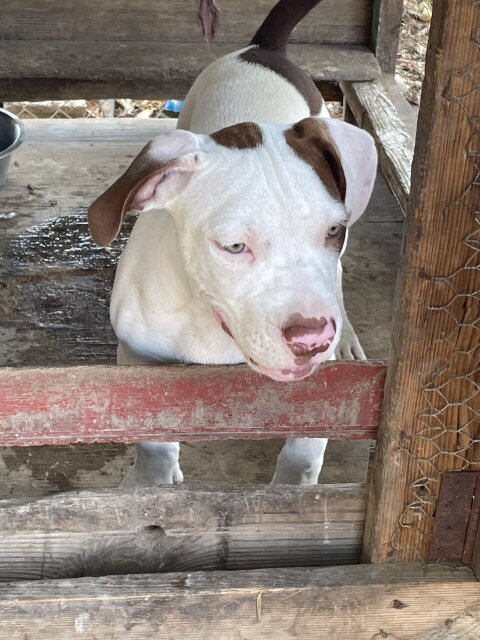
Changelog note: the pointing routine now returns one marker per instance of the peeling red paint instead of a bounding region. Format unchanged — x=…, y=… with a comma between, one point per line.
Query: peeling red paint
x=186, y=402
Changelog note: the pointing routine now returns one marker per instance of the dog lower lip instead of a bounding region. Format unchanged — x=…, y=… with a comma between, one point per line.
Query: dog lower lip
x=284, y=374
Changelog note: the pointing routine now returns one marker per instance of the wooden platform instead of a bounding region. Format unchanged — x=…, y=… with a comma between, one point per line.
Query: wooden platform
x=54, y=292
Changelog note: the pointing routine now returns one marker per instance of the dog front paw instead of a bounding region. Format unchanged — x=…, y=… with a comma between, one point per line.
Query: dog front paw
x=155, y=463
x=349, y=347
x=140, y=477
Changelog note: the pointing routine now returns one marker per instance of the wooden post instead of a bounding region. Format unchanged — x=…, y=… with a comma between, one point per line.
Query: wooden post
x=431, y=413
x=387, y=19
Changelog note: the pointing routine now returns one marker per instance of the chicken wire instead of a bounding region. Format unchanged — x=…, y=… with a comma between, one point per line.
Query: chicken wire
x=69, y=109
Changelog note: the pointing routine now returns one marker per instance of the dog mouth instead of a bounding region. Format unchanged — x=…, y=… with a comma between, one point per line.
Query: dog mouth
x=280, y=375
x=221, y=322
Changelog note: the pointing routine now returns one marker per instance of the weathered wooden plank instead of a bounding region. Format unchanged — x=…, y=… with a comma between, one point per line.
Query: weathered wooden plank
x=342, y=21
x=431, y=413
x=182, y=528
x=185, y=402
x=387, y=20
x=56, y=69
x=395, y=90
x=361, y=602
x=462, y=627
x=375, y=112
x=452, y=516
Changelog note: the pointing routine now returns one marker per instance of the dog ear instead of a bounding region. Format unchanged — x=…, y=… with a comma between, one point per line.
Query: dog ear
x=358, y=156
x=159, y=173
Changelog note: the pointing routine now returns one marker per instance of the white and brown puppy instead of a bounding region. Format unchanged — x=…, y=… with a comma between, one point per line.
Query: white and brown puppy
x=236, y=256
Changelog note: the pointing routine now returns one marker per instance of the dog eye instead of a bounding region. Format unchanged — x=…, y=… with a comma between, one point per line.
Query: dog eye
x=334, y=230
x=237, y=247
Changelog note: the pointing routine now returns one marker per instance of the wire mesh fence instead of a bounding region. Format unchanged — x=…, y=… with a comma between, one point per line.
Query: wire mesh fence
x=446, y=433
x=68, y=109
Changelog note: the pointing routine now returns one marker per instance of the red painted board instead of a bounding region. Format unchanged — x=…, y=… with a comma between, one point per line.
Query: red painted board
x=342, y=400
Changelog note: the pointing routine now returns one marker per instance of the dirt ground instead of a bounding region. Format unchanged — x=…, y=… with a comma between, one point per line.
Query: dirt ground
x=413, y=46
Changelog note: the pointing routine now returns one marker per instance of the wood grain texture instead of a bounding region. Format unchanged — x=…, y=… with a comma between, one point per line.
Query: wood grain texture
x=362, y=602
x=332, y=21
x=185, y=402
x=184, y=528
x=56, y=69
x=432, y=400
x=374, y=111
x=464, y=626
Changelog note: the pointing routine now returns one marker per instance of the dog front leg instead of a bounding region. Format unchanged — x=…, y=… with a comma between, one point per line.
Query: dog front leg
x=349, y=347
x=300, y=461
x=155, y=462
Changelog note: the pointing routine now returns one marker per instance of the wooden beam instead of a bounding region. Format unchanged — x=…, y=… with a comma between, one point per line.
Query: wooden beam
x=184, y=528
x=361, y=602
x=49, y=69
x=374, y=110
x=185, y=402
x=431, y=412
x=387, y=20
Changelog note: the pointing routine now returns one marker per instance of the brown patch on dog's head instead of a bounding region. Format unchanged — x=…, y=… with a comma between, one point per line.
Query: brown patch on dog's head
x=246, y=135
x=310, y=139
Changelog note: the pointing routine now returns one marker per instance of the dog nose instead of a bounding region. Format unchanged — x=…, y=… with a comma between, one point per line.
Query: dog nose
x=309, y=336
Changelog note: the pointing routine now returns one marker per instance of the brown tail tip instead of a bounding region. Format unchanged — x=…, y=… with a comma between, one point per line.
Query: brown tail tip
x=209, y=16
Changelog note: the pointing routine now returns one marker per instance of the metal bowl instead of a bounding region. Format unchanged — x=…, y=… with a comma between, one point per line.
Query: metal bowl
x=12, y=132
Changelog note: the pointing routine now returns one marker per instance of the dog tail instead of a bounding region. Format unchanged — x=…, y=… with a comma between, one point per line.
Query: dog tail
x=280, y=22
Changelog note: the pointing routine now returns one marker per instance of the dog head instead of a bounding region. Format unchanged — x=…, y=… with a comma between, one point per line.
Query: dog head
x=261, y=213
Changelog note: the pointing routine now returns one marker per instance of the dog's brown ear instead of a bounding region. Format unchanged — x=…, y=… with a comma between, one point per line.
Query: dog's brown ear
x=343, y=156
x=312, y=142
x=153, y=178
x=358, y=157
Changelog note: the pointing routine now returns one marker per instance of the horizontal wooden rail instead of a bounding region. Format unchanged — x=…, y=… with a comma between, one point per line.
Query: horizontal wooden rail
x=181, y=528
x=41, y=406
x=66, y=70
x=360, y=602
